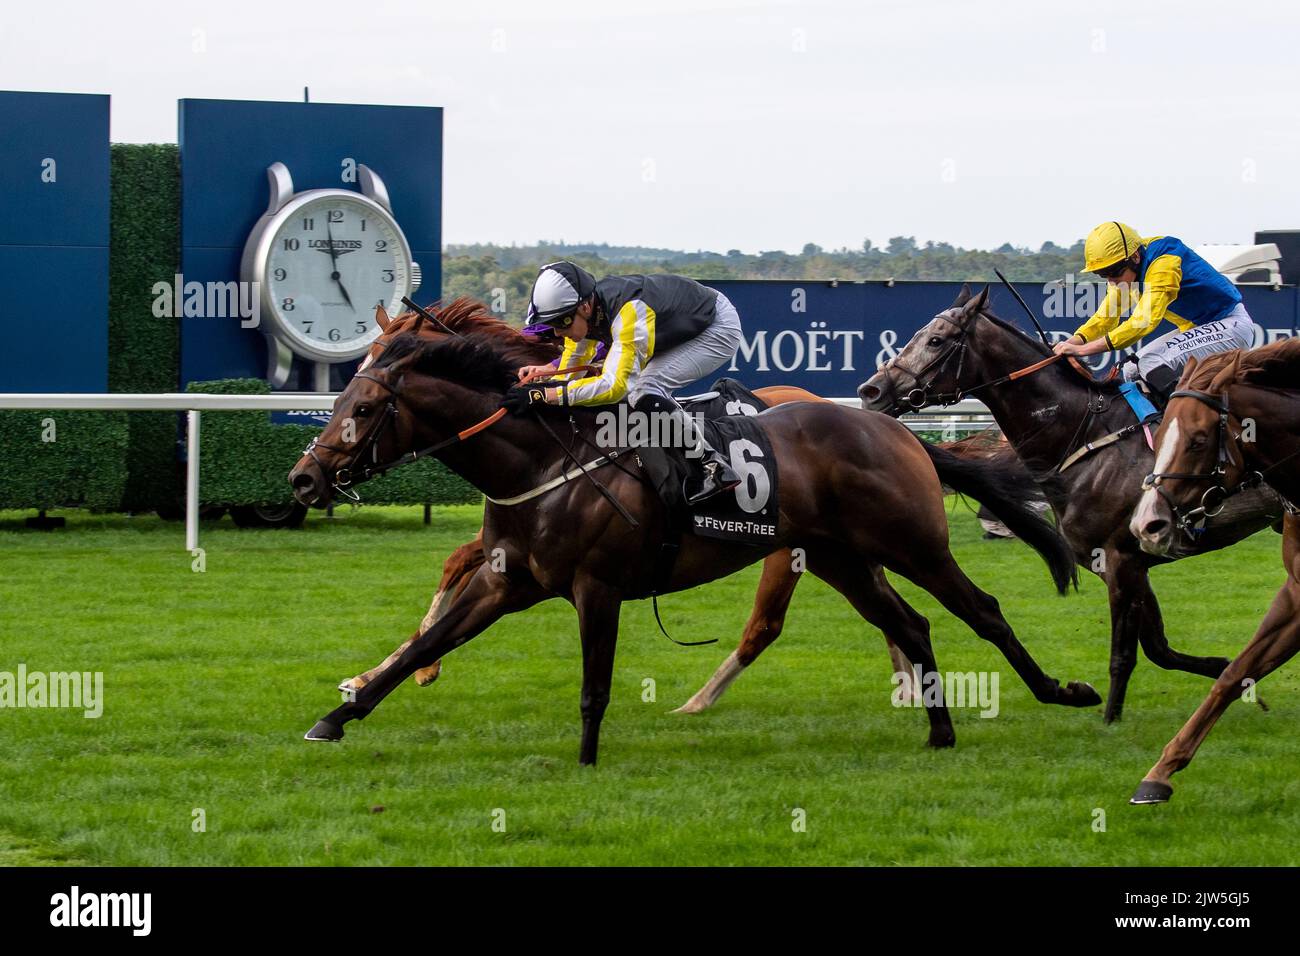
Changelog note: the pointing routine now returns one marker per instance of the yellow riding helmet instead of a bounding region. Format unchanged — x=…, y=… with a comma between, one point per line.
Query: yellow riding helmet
x=1109, y=243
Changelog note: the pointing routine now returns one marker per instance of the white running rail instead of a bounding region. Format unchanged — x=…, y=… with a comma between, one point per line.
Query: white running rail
x=965, y=416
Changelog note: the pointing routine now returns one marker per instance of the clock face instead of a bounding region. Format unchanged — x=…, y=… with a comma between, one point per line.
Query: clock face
x=330, y=262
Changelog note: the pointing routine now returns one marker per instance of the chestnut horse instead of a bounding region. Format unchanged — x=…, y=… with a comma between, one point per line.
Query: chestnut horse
x=860, y=494
x=1233, y=422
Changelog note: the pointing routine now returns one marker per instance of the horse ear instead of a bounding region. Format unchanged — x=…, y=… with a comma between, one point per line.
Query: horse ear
x=977, y=303
x=963, y=296
x=381, y=317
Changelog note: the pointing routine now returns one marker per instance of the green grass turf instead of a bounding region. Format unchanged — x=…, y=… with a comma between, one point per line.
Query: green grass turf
x=211, y=680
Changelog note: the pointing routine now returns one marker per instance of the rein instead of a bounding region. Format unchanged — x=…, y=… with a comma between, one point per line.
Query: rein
x=921, y=396
x=351, y=473
x=545, y=373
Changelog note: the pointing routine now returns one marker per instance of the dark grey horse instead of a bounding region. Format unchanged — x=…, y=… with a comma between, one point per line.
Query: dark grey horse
x=1047, y=415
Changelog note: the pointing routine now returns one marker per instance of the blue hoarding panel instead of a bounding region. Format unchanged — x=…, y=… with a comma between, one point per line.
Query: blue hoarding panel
x=54, y=177
x=829, y=338
x=226, y=146
x=38, y=297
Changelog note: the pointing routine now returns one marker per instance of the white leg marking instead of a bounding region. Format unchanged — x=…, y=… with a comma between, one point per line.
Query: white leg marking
x=903, y=666
x=425, y=675
x=435, y=611
x=361, y=680
x=708, y=695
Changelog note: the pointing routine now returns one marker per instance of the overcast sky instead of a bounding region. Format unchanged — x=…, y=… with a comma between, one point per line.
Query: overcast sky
x=749, y=124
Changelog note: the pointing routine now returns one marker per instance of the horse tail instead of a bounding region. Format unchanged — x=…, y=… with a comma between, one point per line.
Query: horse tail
x=1006, y=488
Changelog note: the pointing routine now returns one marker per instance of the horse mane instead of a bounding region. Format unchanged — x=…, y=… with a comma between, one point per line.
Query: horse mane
x=965, y=295
x=468, y=316
x=475, y=359
x=1271, y=366
x=1016, y=330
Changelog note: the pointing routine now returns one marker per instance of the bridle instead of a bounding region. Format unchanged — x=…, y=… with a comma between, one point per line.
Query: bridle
x=356, y=469
x=1215, y=498
x=921, y=396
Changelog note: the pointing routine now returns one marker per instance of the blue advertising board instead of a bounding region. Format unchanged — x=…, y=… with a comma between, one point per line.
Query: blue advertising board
x=226, y=147
x=54, y=177
x=829, y=337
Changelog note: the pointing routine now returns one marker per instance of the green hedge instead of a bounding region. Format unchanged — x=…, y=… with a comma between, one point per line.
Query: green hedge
x=245, y=459
x=144, y=350
x=129, y=461
x=114, y=460
x=63, y=459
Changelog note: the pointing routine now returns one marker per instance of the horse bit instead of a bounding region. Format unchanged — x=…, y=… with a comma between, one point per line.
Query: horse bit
x=344, y=478
x=1192, y=522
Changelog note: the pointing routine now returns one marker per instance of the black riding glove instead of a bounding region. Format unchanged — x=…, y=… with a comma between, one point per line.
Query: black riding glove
x=522, y=398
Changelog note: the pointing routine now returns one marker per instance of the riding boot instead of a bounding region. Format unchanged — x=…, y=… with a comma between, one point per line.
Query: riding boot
x=717, y=474
x=713, y=474
x=1161, y=382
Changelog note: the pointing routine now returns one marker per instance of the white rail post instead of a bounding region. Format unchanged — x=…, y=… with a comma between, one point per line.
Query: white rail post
x=192, y=481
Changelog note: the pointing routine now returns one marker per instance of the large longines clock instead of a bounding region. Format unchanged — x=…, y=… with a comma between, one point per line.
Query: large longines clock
x=323, y=259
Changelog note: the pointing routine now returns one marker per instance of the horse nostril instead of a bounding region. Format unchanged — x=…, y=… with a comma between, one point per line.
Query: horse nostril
x=1155, y=527
x=302, y=481
x=869, y=393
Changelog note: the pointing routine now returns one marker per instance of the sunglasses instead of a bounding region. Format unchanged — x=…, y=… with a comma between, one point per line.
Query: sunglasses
x=1113, y=272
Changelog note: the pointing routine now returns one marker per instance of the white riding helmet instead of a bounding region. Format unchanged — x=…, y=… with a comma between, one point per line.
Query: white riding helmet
x=558, y=290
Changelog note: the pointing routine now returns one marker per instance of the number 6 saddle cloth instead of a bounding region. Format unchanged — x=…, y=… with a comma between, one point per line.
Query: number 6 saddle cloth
x=728, y=415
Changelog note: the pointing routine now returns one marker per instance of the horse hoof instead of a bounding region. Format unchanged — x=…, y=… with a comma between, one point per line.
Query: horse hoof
x=324, y=730
x=348, y=686
x=1079, y=693
x=690, y=707
x=1151, y=791
x=942, y=740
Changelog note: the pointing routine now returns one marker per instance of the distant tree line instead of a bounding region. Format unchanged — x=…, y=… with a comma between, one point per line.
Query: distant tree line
x=503, y=276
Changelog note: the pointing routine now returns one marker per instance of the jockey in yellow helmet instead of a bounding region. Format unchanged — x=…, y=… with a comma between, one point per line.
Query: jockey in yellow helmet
x=1150, y=280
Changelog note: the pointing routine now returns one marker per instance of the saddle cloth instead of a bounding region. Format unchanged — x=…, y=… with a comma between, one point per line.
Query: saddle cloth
x=728, y=416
